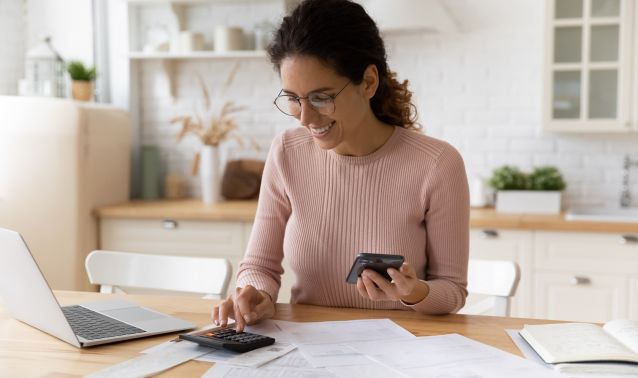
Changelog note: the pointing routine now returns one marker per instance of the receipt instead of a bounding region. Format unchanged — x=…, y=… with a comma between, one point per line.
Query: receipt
x=153, y=363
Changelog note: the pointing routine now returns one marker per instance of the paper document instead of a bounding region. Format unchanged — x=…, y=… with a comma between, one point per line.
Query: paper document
x=324, y=344
x=338, y=332
x=153, y=363
x=292, y=365
x=258, y=357
x=450, y=356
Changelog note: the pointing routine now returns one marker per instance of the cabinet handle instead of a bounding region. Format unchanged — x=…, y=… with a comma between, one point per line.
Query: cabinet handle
x=579, y=280
x=629, y=239
x=489, y=234
x=169, y=224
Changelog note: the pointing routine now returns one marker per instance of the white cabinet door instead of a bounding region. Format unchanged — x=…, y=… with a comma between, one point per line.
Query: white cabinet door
x=577, y=296
x=582, y=276
x=492, y=244
x=588, y=60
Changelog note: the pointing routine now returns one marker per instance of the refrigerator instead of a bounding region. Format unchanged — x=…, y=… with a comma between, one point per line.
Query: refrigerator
x=59, y=160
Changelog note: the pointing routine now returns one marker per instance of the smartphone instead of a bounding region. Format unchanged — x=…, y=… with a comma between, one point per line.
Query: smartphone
x=377, y=262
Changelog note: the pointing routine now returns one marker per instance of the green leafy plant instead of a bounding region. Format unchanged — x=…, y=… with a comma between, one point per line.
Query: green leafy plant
x=545, y=178
x=508, y=177
x=79, y=72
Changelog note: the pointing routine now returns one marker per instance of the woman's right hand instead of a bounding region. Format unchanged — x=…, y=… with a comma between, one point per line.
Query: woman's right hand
x=247, y=306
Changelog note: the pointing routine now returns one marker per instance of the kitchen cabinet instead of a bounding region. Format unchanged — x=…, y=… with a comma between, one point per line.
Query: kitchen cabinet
x=512, y=245
x=583, y=276
x=225, y=239
x=590, y=65
x=576, y=276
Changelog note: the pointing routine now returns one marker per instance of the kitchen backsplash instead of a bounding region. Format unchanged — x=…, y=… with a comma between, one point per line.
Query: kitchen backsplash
x=479, y=89
x=12, y=36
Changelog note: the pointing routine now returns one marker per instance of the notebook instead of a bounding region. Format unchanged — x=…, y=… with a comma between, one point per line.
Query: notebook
x=617, y=340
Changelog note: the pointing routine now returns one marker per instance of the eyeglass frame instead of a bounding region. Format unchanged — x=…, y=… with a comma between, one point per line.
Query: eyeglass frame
x=298, y=99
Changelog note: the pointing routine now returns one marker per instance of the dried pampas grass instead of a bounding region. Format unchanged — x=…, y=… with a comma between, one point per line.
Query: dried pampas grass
x=212, y=129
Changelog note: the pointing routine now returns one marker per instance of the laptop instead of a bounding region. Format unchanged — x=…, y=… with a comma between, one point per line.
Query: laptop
x=29, y=298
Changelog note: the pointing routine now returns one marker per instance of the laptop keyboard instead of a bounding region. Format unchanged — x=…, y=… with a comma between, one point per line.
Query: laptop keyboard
x=92, y=325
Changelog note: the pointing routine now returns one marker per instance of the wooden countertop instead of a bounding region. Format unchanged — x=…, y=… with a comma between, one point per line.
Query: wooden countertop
x=244, y=211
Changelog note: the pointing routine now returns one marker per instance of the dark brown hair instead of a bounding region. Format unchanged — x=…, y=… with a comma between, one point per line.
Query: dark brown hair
x=341, y=34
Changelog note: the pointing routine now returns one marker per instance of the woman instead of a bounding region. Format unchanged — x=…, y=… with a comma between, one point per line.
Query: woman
x=357, y=176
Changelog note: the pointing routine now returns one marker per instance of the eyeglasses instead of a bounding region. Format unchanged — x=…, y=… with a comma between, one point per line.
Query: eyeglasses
x=322, y=103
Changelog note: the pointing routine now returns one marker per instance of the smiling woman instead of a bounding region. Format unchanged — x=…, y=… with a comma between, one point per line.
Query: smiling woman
x=357, y=176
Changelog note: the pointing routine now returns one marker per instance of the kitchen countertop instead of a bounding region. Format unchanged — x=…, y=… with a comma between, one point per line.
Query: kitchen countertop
x=244, y=211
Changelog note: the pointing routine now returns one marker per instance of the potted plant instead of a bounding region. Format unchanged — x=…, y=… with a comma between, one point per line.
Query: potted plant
x=82, y=80
x=538, y=192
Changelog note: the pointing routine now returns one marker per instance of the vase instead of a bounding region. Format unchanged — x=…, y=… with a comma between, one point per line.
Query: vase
x=209, y=166
x=82, y=90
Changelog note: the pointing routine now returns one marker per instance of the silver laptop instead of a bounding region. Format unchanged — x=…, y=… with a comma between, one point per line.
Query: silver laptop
x=28, y=297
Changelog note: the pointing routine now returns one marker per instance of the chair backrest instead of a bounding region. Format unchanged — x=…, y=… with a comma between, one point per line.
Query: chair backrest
x=496, y=279
x=203, y=275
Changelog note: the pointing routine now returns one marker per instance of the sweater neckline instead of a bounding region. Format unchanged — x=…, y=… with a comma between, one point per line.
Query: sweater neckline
x=381, y=151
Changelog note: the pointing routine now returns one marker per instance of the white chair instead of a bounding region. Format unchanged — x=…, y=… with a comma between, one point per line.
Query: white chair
x=121, y=270
x=495, y=279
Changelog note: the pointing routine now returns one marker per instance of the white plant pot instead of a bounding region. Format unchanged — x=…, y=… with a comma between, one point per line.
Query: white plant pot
x=528, y=201
x=209, y=174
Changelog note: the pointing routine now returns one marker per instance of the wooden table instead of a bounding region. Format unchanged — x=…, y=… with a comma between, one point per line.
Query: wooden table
x=26, y=352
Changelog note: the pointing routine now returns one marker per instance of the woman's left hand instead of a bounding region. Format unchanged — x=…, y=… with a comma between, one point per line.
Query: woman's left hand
x=405, y=285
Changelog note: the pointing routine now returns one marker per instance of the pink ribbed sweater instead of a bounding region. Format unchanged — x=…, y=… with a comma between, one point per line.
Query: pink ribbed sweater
x=320, y=209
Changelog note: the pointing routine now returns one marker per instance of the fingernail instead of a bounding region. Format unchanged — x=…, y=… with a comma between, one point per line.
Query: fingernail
x=216, y=322
x=248, y=317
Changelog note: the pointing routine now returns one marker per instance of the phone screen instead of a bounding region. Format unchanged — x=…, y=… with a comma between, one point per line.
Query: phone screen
x=377, y=262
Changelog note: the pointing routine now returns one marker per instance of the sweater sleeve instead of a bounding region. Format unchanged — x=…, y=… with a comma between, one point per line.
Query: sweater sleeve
x=261, y=265
x=447, y=221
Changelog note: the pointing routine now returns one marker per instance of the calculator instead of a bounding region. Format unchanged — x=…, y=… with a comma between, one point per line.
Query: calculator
x=228, y=338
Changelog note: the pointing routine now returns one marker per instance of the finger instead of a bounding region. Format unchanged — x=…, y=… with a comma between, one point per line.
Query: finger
x=361, y=288
x=382, y=284
x=239, y=319
x=371, y=289
x=224, y=309
x=246, y=301
x=215, y=315
x=398, y=278
x=408, y=270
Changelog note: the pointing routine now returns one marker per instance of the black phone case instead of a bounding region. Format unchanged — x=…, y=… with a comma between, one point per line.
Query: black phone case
x=377, y=262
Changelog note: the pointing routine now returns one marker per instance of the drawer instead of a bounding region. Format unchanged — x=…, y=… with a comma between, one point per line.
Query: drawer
x=580, y=296
x=590, y=252
x=193, y=238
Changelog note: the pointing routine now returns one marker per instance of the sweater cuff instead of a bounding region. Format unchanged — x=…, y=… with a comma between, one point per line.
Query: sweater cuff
x=260, y=282
x=440, y=299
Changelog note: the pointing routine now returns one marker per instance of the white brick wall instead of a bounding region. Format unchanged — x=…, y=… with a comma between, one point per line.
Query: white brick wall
x=480, y=90
x=12, y=31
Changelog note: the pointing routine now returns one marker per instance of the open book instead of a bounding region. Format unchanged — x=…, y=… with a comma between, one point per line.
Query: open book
x=617, y=340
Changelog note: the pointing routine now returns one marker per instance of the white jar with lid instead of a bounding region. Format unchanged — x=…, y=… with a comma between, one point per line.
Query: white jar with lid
x=228, y=38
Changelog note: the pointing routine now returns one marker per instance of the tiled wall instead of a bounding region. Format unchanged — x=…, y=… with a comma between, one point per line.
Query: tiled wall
x=479, y=89
x=12, y=31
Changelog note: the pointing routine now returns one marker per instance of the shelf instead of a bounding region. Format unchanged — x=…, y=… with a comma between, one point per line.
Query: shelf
x=170, y=59
x=240, y=54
